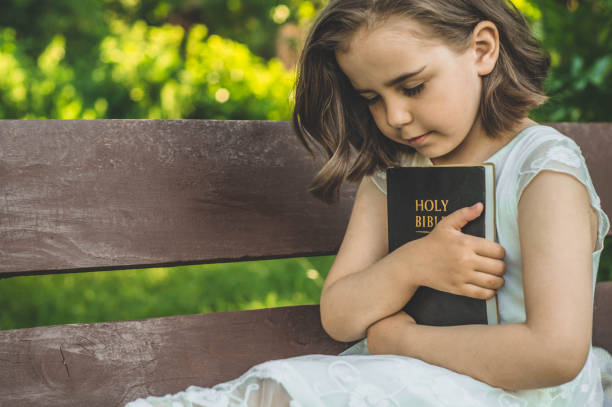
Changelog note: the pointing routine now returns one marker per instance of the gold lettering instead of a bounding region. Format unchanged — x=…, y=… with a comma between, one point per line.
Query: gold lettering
x=444, y=203
x=431, y=205
x=418, y=222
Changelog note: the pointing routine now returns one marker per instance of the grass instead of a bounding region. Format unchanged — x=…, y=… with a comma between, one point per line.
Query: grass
x=147, y=293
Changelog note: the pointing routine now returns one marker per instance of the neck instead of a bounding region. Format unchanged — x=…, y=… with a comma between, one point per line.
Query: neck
x=480, y=147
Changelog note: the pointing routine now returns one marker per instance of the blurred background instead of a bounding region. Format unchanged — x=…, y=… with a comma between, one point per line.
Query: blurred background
x=218, y=59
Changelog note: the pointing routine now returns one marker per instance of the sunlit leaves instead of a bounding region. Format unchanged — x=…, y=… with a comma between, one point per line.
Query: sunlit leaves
x=134, y=294
x=36, y=90
x=577, y=35
x=528, y=9
x=148, y=72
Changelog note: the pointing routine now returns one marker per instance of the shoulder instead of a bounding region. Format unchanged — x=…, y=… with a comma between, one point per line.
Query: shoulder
x=545, y=148
x=551, y=170
x=542, y=143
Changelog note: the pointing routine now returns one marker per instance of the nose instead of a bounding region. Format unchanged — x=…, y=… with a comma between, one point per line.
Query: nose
x=398, y=114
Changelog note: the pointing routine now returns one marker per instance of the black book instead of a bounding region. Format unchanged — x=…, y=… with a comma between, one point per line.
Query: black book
x=417, y=198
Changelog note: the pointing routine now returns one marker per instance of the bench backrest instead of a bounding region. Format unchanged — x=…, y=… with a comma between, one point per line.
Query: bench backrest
x=92, y=195
x=102, y=194
x=116, y=194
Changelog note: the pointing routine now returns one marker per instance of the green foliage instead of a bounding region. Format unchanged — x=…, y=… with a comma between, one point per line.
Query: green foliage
x=134, y=294
x=146, y=72
x=163, y=72
x=605, y=263
x=580, y=44
x=253, y=23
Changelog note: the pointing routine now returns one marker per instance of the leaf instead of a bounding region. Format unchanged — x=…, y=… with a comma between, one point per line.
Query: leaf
x=577, y=64
x=599, y=70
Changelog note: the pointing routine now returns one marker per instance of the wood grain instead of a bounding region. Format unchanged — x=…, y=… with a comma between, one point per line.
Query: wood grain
x=109, y=364
x=82, y=195
x=101, y=194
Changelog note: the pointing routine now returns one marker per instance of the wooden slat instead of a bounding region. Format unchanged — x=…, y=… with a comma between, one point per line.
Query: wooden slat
x=94, y=194
x=109, y=364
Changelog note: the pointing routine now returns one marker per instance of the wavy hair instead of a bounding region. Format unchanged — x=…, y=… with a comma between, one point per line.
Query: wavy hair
x=330, y=115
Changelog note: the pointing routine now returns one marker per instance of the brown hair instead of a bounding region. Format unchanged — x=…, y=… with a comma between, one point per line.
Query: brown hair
x=330, y=115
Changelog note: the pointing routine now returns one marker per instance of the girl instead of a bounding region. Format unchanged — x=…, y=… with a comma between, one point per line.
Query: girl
x=426, y=82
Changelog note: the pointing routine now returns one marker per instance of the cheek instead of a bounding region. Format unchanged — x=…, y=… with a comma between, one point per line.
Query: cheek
x=374, y=110
x=456, y=103
x=378, y=114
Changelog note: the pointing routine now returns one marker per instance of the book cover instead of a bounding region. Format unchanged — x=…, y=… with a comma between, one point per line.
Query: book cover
x=417, y=199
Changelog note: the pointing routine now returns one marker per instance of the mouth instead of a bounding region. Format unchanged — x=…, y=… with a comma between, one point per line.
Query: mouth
x=418, y=140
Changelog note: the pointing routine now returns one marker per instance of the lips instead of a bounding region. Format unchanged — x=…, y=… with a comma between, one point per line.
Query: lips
x=418, y=140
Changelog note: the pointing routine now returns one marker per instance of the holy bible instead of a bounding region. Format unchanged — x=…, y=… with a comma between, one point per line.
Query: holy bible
x=417, y=199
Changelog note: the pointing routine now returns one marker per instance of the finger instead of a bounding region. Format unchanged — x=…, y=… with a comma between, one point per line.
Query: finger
x=461, y=217
x=485, y=248
x=486, y=280
x=474, y=291
x=490, y=266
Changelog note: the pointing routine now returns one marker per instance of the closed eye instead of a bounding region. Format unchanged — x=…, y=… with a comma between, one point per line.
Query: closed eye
x=371, y=100
x=413, y=91
x=406, y=91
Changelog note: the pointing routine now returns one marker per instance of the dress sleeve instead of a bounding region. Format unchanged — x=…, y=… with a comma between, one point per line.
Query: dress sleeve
x=562, y=154
x=379, y=178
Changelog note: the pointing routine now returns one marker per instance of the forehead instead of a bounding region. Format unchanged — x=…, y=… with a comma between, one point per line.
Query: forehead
x=392, y=28
x=394, y=45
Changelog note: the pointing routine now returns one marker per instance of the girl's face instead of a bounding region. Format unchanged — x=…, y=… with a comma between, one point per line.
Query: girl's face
x=420, y=92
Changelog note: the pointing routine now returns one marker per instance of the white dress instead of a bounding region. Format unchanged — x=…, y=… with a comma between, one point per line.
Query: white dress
x=357, y=379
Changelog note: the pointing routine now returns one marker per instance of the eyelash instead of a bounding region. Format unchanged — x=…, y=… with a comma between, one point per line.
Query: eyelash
x=408, y=92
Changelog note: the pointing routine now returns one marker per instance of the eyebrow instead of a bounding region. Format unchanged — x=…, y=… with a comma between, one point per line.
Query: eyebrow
x=397, y=80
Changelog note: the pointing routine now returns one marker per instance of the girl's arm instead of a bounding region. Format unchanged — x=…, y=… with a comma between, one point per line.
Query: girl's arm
x=558, y=231
x=365, y=284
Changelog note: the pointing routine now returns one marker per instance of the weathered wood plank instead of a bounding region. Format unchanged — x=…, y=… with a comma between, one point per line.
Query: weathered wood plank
x=109, y=364
x=94, y=194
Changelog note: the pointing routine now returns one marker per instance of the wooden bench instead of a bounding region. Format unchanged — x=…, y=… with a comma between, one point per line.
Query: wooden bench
x=117, y=194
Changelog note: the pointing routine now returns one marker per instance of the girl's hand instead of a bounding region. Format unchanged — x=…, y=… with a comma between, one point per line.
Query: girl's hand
x=383, y=336
x=451, y=261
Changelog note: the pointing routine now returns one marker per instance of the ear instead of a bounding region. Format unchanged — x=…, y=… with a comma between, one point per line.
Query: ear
x=485, y=45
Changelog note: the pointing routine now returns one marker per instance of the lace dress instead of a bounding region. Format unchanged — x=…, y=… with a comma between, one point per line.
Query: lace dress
x=357, y=379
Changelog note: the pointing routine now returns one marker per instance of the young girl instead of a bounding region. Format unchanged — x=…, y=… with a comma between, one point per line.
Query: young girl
x=423, y=82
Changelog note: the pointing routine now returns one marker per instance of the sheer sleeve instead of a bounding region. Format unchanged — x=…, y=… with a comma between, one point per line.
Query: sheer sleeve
x=562, y=154
x=379, y=178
